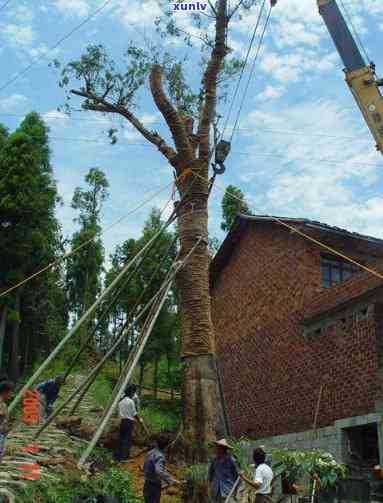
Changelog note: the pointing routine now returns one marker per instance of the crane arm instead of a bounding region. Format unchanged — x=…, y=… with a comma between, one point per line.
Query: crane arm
x=360, y=76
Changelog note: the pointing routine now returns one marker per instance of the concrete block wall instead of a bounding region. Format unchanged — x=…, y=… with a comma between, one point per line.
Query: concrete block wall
x=328, y=439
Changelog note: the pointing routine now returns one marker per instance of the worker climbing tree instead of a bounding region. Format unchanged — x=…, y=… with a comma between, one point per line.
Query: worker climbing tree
x=189, y=115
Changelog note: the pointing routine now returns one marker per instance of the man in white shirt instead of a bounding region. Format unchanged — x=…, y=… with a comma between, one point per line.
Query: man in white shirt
x=128, y=414
x=263, y=477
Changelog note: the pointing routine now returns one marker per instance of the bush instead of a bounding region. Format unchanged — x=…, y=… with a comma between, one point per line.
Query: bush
x=70, y=489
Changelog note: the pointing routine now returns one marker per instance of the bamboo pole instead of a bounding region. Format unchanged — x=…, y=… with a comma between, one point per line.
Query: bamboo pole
x=106, y=312
x=83, y=318
x=118, y=396
x=136, y=356
x=98, y=367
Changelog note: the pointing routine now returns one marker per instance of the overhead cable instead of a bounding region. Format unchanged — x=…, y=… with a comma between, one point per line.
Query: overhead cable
x=86, y=243
x=54, y=46
x=244, y=66
x=296, y=230
x=251, y=74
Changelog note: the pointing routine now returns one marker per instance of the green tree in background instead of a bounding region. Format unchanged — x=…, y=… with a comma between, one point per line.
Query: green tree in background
x=29, y=239
x=84, y=268
x=141, y=288
x=233, y=203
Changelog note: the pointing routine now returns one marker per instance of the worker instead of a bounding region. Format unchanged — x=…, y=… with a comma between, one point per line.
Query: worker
x=154, y=471
x=128, y=415
x=136, y=398
x=263, y=477
x=49, y=392
x=223, y=472
x=6, y=388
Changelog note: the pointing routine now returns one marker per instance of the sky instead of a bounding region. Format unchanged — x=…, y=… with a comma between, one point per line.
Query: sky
x=301, y=148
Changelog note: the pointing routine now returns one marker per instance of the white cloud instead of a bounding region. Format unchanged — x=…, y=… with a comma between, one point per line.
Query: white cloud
x=56, y=119
x=317, y=163
x=292, y=67
x=271, y=93
x=137, y=14
x=19, y=36
x=132, y=135
x=13, y=103
x=21, y=13
x=73, y=8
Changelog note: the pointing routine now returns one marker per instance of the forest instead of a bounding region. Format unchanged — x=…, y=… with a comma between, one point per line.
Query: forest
x=35, y=316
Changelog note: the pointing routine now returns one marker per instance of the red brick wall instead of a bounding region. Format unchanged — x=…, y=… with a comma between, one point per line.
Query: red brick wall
x=271, y=372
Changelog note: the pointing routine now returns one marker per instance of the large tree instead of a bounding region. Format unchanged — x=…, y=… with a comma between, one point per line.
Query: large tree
x=29, y=235
x=233, y=203
x=189, y=110
x=84, y=268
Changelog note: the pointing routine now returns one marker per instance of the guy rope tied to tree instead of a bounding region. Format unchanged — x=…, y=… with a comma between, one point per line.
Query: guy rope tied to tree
x=189, y=117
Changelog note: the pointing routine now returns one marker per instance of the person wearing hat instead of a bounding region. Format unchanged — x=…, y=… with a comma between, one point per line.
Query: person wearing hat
x=223, y=472
x=263, y=477
x=49, y=392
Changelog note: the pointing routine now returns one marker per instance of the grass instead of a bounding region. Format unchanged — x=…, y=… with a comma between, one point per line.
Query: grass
x=161, y=415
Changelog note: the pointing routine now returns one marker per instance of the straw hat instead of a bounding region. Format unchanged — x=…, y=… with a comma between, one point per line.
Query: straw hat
x=223, y=443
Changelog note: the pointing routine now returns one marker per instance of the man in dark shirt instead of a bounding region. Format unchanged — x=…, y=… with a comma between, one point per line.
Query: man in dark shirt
x=154, y=471
x=49, y=392
x=223, y=472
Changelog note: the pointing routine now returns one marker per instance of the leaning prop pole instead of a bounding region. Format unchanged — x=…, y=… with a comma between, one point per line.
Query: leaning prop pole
x=233, y=489
x=83, y=318
x=118, y=396
x=142, y=341
x=93, y=374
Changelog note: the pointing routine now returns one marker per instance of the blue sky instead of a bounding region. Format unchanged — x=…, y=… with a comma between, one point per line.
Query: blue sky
x=302, y=148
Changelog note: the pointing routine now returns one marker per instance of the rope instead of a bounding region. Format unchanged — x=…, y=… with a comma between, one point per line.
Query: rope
x=86, y=243
x=243, y=67
x=306, y=236
x=83, y=318
x=251, y=74
x=140, y=344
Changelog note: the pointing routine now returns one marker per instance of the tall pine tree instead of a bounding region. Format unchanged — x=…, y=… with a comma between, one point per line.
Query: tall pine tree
x=29, y=235
x=84, y=269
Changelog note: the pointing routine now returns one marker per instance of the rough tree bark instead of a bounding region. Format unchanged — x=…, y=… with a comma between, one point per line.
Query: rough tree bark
x=202, y=413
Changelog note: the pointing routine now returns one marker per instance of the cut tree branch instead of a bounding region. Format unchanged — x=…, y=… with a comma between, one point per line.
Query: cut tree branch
x=101, y=105
x=209, y=81
x=170, y=114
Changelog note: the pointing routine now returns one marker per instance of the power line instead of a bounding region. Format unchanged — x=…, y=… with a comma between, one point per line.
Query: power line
x=53, y=47
x=4, y=5
x=85, y=243
x=296, y=132
x=251, y=73
x=243, y=67
x=296, y=230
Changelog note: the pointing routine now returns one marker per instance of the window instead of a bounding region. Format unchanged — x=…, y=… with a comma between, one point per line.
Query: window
x=335, y=270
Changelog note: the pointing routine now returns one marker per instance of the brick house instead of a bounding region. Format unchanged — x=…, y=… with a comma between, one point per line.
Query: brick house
x=299, y=335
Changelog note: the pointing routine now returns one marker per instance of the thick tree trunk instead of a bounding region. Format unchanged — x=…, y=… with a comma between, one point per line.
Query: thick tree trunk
x=14, y=364
x=203, y=418
x=3, y=326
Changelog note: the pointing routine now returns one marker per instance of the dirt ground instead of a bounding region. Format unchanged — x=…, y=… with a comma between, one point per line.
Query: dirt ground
x=134, y=466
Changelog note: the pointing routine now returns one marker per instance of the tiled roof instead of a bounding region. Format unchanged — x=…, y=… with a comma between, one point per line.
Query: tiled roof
x=242, y=222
